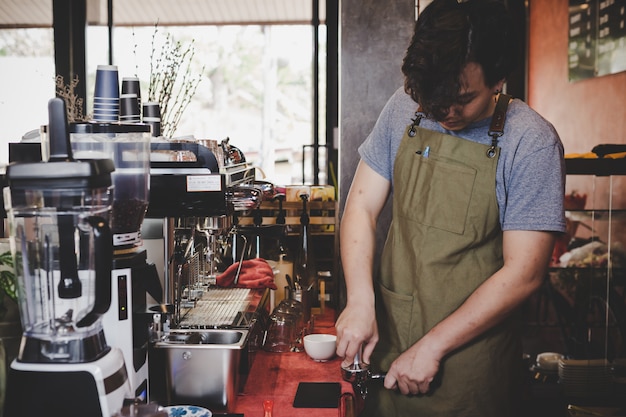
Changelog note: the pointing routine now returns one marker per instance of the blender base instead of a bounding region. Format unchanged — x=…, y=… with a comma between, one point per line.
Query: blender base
x=71, y=390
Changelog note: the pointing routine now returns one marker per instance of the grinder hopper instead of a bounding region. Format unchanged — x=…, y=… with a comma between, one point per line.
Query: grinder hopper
x=128, y=146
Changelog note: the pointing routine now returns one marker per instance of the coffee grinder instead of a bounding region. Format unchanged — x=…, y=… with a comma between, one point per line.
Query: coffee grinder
x=126, y=323
x=58, y=214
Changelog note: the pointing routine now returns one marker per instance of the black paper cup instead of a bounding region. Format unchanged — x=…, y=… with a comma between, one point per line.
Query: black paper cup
x=130, y=85
x=130, y=119
x=152, y=109
x=129, y=106
x=155, y=123
x=107, y=82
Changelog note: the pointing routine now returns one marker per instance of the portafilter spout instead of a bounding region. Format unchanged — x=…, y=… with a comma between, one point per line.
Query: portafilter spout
x=359, y=374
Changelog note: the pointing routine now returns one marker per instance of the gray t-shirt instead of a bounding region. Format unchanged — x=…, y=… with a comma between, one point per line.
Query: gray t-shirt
x=530, y=176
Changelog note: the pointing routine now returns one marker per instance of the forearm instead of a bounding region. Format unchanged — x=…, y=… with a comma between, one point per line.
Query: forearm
x=486, y=307
x=364, y=203
x=356, y=325
x=357, y=243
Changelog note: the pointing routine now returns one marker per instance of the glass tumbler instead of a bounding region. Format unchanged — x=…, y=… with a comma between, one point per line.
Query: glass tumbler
x=281, y=332
x=295, y=308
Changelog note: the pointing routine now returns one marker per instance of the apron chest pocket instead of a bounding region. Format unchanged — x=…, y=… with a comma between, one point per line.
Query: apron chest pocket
x=437, y=193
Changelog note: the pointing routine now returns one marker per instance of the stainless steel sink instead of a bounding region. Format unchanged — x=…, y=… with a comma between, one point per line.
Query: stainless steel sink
x=200, y=367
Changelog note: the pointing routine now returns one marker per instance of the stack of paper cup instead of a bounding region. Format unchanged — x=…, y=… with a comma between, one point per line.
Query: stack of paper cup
x=131, y=85
x=106, y=102
x=152, y=117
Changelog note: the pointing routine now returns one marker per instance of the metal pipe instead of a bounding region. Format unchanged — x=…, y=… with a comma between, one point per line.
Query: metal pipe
x=316, y=94
x=110, y=27
x=168, y=270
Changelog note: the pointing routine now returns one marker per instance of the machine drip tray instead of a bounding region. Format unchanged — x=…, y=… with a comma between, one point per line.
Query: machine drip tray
x=218, y=307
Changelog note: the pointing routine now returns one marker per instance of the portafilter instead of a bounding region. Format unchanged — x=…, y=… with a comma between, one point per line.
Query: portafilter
x=359, y=374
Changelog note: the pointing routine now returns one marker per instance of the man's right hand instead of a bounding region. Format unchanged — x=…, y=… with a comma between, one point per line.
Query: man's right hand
x=356, y=328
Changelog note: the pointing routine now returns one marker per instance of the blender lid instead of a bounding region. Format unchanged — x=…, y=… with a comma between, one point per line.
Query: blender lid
x=61, y=171
x=84, y=174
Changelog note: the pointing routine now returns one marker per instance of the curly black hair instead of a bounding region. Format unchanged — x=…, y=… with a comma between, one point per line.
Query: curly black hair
x=448, y=35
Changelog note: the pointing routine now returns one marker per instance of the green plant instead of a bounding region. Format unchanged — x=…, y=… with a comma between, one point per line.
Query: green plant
x=8, y=284
x=7, y=276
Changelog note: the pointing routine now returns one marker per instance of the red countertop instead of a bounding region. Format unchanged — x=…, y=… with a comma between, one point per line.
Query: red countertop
x=275, y=376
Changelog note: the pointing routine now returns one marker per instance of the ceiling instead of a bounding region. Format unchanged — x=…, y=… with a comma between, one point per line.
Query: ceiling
x=38, y=13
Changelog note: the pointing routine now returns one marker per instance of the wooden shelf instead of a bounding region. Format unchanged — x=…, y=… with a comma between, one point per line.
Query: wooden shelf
x=322, y=215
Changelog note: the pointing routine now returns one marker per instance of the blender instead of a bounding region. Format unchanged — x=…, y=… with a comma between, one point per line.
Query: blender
x=59, y=213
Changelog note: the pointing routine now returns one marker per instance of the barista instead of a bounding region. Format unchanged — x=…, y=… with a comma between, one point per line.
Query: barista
x=477, y=201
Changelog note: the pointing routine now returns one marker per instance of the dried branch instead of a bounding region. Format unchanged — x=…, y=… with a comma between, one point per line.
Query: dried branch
x=172, y=82
x=73, y=103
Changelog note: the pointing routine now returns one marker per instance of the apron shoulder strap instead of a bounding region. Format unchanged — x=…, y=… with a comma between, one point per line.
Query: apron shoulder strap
x=496, y=129
x=499, y=115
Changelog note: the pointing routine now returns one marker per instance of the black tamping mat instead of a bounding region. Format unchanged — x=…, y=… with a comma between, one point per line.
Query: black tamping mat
x=317, y=395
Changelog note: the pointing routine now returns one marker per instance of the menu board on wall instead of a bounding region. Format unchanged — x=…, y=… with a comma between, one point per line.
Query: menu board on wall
x=597, y=38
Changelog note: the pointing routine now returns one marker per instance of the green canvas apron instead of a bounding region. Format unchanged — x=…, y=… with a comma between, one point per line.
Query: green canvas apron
x=445, y=241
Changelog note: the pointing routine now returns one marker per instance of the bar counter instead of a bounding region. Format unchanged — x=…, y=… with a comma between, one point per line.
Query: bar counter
x=275, y=376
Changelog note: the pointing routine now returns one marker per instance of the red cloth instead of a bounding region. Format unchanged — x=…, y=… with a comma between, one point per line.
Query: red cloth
x=255, y=273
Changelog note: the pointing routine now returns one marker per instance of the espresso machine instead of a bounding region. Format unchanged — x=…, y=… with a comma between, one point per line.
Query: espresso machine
x=58, y=214
x=126, y=323
x=196, y=193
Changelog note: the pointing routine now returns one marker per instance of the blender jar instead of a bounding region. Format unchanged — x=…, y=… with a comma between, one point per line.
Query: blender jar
x=58, y=215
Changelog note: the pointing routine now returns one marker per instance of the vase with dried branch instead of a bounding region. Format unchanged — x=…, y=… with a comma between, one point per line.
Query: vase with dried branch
x=173, y=82
x=73, y=103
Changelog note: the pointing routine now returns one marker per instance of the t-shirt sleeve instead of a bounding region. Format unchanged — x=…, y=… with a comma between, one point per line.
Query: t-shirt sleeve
x=534, y=196
x=379, y=148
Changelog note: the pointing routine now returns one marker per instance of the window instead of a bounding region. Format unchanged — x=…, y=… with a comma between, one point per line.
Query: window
x=26, y=82
x=257, y=86
x=256, y=89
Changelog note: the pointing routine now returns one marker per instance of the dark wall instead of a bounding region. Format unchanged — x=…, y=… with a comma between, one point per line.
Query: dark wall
x=374, y=35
